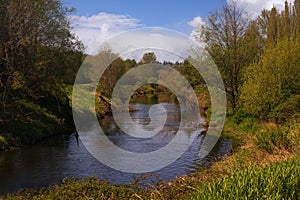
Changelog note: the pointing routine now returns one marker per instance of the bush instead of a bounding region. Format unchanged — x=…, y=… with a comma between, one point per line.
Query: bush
x=245, y=122
x=275, y=139
x=286, y=110
x=239, y=116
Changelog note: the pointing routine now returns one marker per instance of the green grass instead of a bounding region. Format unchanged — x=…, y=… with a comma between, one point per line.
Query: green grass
x=3, y=143
x=29, y=123
x=89, y=188
x=87, y=102
x=275, y=139
x=277, y=181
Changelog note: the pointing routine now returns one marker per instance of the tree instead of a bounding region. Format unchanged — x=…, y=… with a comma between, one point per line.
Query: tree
x=149, y=57
x=296, y=19
x=38, y=55
x=111, y=76
x=272, y=30
x=223, y=35
x=287, y=21
x=129, y=64
x=35, y=38
x=273, y=80
x=252, y=46
x=262, y=22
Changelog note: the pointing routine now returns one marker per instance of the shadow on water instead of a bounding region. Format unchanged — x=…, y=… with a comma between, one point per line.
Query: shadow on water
x=65, y=156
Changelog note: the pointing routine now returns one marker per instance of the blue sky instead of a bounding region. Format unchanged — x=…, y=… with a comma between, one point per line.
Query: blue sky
x=163, y=13
x=96, y=20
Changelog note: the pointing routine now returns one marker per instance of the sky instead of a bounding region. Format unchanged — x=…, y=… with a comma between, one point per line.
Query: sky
x=97, y=20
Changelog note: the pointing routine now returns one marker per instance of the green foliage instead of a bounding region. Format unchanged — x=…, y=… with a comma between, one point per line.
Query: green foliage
x=272, y=139
x=287, y=110
x=38, y=57
x=233, y=43
x=277, y=181
x=271, y=81
x=31, y=123
x=272, y=31
x=276, y=139
x=243, y=122
x=89, y=188
x=190, y=73
x=148, y=57
x=3, y=143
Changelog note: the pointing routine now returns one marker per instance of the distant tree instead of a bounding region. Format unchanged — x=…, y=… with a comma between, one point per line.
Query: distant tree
x=190, y=73
x=272, y=30
x=149, y=57
x=287, y=21
x=296, y=19
x=262, y=22
x=129, y=64
x=252, y=44
x=111, y=76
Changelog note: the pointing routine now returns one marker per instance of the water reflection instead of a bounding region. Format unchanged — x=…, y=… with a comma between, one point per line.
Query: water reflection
x=61, y=157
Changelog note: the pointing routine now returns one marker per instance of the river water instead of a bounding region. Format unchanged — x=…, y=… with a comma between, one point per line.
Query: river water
x=63, y=156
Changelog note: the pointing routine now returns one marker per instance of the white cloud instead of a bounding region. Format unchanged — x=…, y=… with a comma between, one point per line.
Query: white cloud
x=254, y=7
x=168, y=45
x=97, y=30
x=94, y=30
x=196, y=23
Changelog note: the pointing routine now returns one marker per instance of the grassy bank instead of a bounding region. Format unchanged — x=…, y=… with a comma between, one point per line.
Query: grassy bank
x=29, y=121
x=259, y=168
x=279, y=180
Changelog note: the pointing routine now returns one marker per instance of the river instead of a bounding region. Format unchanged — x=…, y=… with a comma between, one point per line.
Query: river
x=62, y=156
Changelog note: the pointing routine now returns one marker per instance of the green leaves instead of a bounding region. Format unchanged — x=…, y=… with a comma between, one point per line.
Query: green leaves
x=271, y=81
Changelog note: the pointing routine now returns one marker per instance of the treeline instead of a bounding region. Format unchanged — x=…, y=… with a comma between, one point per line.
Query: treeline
x=39, y=58
x=117, y=67
x=259, y=59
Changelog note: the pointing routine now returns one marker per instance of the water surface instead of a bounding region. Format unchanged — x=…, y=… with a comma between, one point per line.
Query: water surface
x=47, y=164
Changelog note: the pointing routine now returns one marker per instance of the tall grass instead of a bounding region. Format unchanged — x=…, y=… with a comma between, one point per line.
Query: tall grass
x=274, y=139
x=277, y=181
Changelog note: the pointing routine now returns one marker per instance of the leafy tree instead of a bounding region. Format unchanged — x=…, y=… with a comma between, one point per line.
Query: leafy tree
x=252, y=44
x=111, y=76
x=273, y=80
x=35, y=38
x=38, y=55
x=287, y=21
x=262, y=22
x=190, y=73
x=149, y=57
x=272, y=31
x=296, y=19
x=129, y=64
x=224, y=35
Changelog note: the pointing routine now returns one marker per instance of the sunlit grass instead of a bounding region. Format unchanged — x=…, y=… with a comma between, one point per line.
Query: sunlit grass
x=277, y=181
